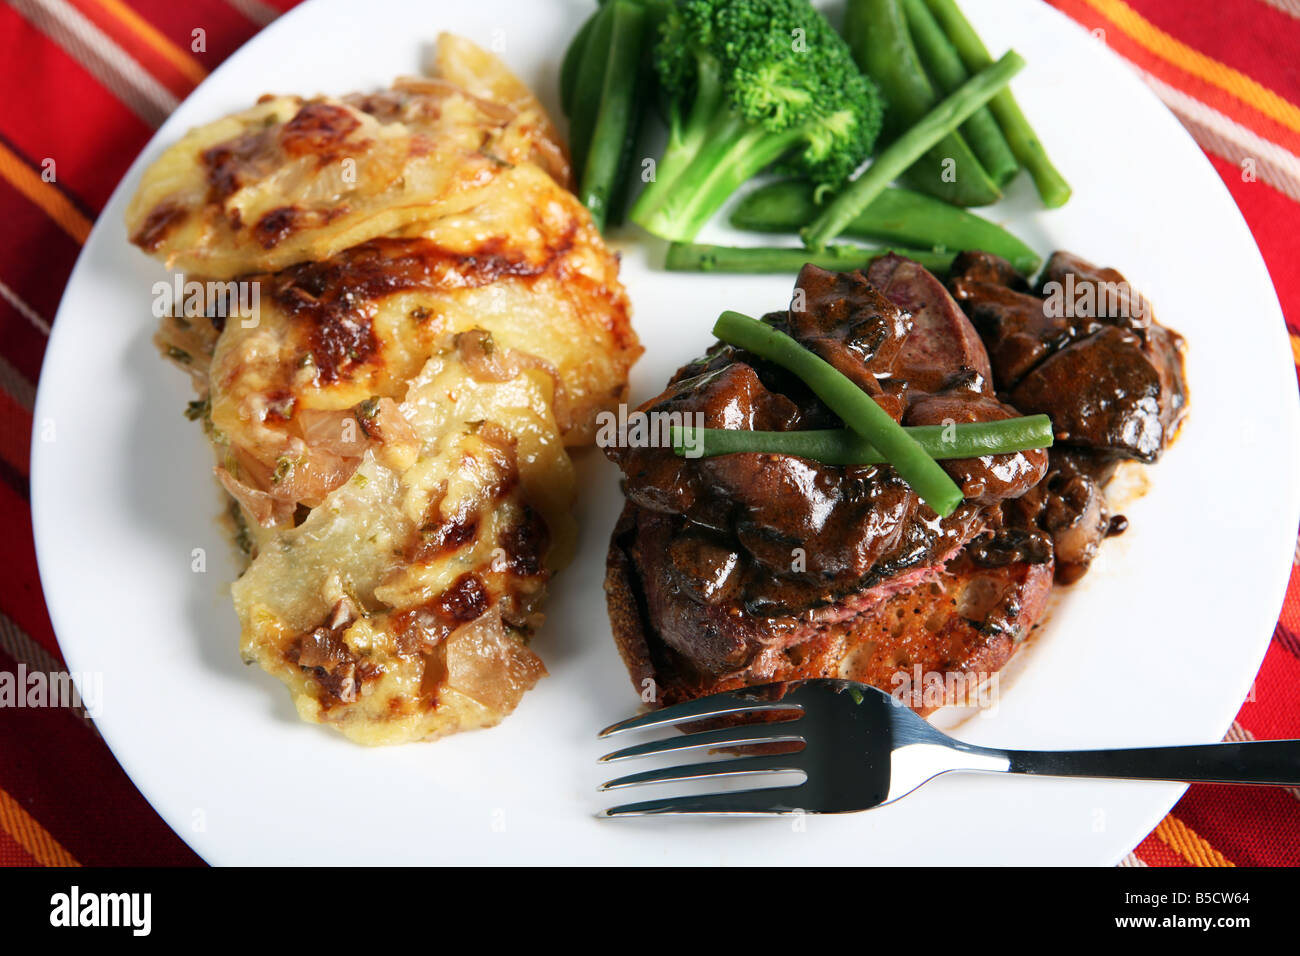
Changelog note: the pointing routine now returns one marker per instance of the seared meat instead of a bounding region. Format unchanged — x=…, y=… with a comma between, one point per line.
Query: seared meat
x=746, y=569
x=1069, y=506
x=964, y=623
x=743, y=560
x=1087, y=351
x=943, y=344
x=1164, y=349
x=990, y=478
x=1018, y=332
x=1102, y=393
x=848, y=323
x=829, y=531
x=1104, y=293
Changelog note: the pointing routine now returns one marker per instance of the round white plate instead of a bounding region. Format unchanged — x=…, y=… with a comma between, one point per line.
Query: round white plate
x=1157, y=646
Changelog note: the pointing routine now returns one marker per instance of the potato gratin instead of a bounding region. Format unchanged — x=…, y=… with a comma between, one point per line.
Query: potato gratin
x=437, y=320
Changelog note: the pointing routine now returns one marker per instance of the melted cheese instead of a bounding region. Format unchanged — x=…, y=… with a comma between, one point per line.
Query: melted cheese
x=333, y=333
x=438, y=320
x=293, y=179
x=356, y=547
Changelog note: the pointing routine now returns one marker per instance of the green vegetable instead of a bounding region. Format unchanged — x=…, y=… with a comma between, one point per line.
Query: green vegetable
x=842, y=446
x=610, y=151
x=947, y=169
x=896, y=215
x=748, y=83
x=572, y=63
x=858, y=410
x=901, y=153
x=589, y=87
x=692, y=257
x=602, y=83
x=1051, y=185
x=948, y=72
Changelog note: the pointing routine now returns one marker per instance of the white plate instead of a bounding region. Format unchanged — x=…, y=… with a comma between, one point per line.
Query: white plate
x=1158, y=646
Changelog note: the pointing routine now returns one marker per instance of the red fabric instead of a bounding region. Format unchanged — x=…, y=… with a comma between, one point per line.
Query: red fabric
x=63, y=797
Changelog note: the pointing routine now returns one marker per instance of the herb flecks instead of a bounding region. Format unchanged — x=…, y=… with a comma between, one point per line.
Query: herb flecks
x=284, y=466
x=366, y=413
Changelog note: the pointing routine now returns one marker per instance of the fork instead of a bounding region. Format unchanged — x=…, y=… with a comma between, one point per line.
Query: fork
x=858, y=748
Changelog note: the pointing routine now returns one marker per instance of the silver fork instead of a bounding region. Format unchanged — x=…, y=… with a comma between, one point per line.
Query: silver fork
x=858, y=748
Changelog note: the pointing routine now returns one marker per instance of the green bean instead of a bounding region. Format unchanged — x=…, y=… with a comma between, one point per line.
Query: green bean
x=589, y=87
x=842, y=396
x=843, y=446
x=1024, y=142
x=944, y=66
x=902, y=152
x=608, y=153
x=947, y=169
x=896, y=215
x=572, y=63
x=694, y=257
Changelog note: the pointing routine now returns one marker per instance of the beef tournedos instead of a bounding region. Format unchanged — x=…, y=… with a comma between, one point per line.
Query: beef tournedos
x=749, y=568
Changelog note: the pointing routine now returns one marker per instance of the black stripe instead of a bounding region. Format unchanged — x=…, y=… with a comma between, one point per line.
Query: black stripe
x=1287, y=639
x=16, y=480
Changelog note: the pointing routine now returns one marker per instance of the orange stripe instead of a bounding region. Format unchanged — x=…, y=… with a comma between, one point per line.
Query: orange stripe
x=35, y=839
x=164, y=47
x=1295, y=347
x=1253, y=94
x=1190, y=845
x=56, y=205
x=1212, y=96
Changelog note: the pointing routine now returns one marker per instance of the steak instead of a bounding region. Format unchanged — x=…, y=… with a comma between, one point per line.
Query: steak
x=965, y=620
x=732, y=567
x=1086, y=350
x=748, y=569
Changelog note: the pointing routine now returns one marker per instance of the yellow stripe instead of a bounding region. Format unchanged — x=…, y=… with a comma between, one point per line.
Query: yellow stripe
x=56, y=205
x=35, y=839
x=1295, y=347
x=1190, y=844
x=164, y=47
x=1253, y=94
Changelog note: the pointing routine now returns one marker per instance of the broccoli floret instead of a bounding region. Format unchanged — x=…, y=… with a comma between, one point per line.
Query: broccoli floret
x=750, y=83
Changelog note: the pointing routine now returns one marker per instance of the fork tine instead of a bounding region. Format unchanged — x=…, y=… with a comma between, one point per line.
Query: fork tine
x=726, y=737
x=761, y=802
x=715, y=705
x=741, y=766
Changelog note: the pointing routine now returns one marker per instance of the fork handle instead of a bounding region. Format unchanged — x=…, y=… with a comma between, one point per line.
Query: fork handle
x=1268, y=762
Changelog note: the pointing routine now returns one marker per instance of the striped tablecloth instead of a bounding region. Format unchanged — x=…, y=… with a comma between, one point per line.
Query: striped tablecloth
x=85, y=84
